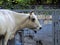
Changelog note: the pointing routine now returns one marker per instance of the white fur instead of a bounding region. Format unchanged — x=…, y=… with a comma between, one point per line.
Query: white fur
x=11, y=21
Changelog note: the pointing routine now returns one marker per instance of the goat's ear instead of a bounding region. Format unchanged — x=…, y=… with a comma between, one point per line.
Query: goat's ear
x=32, y=12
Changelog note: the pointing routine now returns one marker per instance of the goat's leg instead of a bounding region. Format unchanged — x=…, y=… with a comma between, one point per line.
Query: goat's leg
x=6, y=38
x=11, y=37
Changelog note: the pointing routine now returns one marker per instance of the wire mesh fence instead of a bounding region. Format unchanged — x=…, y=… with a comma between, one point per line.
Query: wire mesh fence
x=45, y=17
x=44, y=37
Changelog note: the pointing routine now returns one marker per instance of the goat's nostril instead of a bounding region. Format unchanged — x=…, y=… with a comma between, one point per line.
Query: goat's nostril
x=35, y=31
x=40, y=28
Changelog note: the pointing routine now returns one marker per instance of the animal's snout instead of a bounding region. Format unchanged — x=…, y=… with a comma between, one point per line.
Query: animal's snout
x=37, y=29
x=40, y=27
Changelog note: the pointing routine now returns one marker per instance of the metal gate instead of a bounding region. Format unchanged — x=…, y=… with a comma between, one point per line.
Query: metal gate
x=55, y=24
x=56, y=27
x=44, y=15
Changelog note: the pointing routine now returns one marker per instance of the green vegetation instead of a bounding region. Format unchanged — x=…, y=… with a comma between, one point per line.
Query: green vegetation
x=24, y=4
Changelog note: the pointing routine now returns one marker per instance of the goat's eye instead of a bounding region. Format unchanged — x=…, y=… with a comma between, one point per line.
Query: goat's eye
x=33, y=19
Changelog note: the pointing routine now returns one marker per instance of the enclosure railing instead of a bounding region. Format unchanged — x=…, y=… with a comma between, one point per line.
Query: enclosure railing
x=46, y=14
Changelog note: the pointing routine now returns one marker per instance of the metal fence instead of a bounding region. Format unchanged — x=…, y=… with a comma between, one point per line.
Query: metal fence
x=23, y=38
x=42, y=15
x=56, y=27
